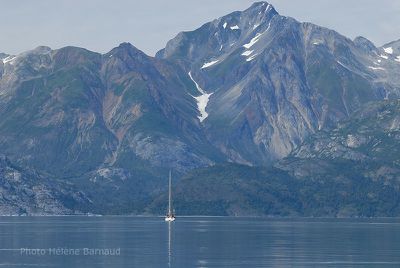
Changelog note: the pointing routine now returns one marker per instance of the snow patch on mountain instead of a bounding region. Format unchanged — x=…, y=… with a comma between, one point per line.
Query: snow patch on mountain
x=376, y=68
x=202, y=100
x=343, y=65
x=252, y=57
x=209, y=64
x=397, y=59
x=384, y=57
x=247, y=53
x=266, y=10
x=256, y=38
x=388, y=50
x=236, y=27
x=253, y=41
x=225, y=24
x=9, y=59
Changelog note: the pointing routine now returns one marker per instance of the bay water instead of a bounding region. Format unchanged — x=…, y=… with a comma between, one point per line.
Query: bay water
x=198, y=242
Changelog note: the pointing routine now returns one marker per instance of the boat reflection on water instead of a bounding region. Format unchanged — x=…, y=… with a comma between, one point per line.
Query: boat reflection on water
x=169, y=244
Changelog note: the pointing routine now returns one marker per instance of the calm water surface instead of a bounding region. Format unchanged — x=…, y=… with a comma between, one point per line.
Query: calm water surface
x=198, y=242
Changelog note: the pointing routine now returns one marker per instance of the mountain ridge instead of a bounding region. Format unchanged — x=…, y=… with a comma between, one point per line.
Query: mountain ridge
x=249, y=88
x=256, y=56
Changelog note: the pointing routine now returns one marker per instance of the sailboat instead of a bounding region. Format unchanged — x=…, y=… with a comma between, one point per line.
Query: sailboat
x=170, y=214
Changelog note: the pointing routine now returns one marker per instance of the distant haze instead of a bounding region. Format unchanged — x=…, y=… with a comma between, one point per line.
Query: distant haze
x=100, y=25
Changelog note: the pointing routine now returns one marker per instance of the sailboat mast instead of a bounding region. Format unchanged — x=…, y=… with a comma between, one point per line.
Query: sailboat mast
x=170, y=215
x=169, y=195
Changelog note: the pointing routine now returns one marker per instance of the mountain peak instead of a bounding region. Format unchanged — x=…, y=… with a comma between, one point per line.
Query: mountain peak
x=222, y=36
x=125, y=49
x=261, y=6
x=396, y=42
x=126, y=46
x=40, y=50
x=364, y=43
x=392, y=48
x=125, y=58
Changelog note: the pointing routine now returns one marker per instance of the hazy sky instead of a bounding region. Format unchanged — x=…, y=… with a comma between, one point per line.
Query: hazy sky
x=100, y=25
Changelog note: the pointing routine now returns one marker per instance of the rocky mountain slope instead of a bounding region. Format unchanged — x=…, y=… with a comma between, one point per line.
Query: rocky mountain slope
x=70, y=111
x=274, y=81
x=252, y=88
x=371, y=134
x=106, y=122
x=25, y=192
x=352, y=171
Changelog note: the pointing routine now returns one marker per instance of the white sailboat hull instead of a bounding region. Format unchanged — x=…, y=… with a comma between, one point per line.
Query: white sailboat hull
x=169, y=219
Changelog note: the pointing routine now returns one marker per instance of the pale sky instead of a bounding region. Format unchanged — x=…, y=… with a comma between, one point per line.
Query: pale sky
x=100, y=25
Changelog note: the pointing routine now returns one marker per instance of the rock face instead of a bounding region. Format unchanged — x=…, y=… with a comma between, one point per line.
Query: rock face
x=72, y=114
x=351, y=171
x=371, y=136
x=275, y=81
x=248, y=88
x=70, y=111
x=24, y=192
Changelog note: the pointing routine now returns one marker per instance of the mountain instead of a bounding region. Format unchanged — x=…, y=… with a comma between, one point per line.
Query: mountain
x=71, y=111
x=252, y=91
x=393, y=50
x=27, y=192
x=371, y=134
x=3, y=56
x=352, y=171
x=117, y=120
x=238, y=190
x=275, y=81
